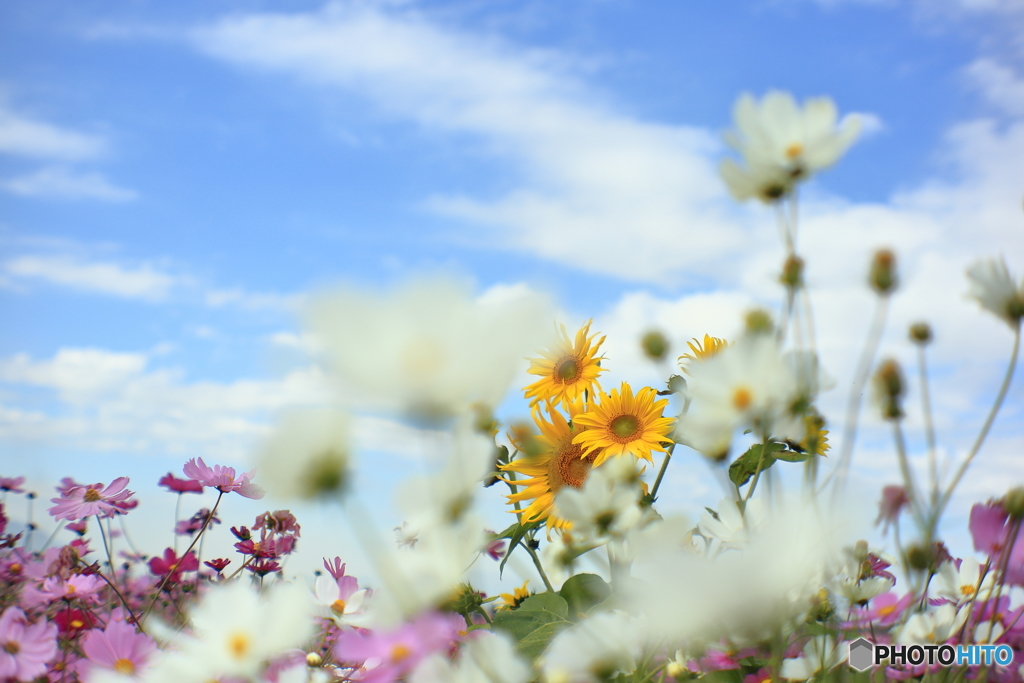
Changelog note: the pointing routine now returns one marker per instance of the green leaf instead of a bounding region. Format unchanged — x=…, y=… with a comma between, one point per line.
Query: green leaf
x=534, y=644
x=517, y=533
x=534, y=623
x=583, y=591
x=745, y=466
x=549, y=603
x=792, y=456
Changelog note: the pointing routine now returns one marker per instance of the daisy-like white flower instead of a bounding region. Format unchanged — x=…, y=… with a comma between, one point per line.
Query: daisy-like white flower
x=608, y=505
x=728, y=527
x=118, y=653
x=994, y=288
x=307, y=456
x=783, y=143
x=429, y=348
x=596, y=649
x=222, y=478
x=340, y=599
x=821, y=654
x=25, y=648
x=960, y=584
x=489, y=658
x=748, y=384
x=934, y=626
x=79, y=502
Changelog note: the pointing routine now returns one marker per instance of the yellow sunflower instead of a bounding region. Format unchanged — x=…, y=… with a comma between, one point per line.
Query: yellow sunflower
x=559, y=463
x=701, y=350
x=620, y=423
x=816, y=440
x=567, y=368
x=513, y=599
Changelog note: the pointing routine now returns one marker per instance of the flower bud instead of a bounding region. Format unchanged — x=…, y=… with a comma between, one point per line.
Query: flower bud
x=920, y=333
x=793, y=272
x=883, y=272
x=890, y=386
x=676, y=384
x=759, y=321
x=654, y=344
x=919, y=557
x=314, y=660
x=1013, y=503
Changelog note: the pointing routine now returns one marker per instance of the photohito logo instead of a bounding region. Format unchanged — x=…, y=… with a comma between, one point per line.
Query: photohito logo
x=865, y=654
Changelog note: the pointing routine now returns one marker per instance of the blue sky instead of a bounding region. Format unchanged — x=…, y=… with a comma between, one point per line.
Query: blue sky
x=175, y=177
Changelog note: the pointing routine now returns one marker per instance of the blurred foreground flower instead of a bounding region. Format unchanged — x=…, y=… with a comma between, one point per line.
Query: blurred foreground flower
x=307, y=455
x=995, y=290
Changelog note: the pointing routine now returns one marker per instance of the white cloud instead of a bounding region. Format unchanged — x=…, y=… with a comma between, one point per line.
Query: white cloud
x=144, y=282
x=27, y=137
x=636, y=190
x=252, y=301
x=63, y=183
x=999, y=85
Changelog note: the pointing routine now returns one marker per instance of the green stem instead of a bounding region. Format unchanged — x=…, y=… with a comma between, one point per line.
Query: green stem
x=661, y=472
x=537, y=564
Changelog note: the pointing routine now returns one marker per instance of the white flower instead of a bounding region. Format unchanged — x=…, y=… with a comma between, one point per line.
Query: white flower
x=960, y=585
x=307, y=455
x=608, y=505
x=820, y=654
x=747, y=384
x=995, y=290
x=767, y=183
x=236, y=631
x=730, y=528
x=429, y=348
x=935, y=626
x=333, y=604
x=595, y=649
x=778, y=139
x=489, y=657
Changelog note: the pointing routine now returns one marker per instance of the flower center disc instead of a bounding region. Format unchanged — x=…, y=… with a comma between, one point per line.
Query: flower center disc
x=11, y=647
x=338, y=606
x=567, y=468
x=742, y=398
x=92, y=495
x=794, y=150
x=238, y=645
x=624, y=426
x=567, y=370
x=124, y=667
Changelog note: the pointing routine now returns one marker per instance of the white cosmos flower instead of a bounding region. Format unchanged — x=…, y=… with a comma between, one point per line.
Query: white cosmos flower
x=960, y=585
x=608, y=505
x=994, y=288
x=730, y=529
x=429, y=348
x=767, y=183
x=490, y=657
x=307, y=455
x=820, y=654
x=934, y=626
x=596, y=649
x=776, y=135
x=333, y=604
x=747, y=384
x=236, y=630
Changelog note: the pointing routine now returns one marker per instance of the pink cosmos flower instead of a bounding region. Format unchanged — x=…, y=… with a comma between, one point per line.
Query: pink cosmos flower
x=894, y=499
x=171, y=564
x=991, y=528
x=884, y=610
x=222, y=478
x=12, y=484
x=387, y=656
x=180, y=485
x=79, y=502
x=281, y=521
x=25, y=648
x=119, y=648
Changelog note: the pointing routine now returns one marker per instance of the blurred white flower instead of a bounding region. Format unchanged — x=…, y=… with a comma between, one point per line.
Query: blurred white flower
x=596, y=649
x=729, y=529
x=937, y=625
x=429, y=349
x=333, y=604
x=780, y=140
x=961, y=584
x=820, y=654
x=608, y=505
x=236, y=630
x=307, y=455
x=747, y=384
x=490, y=657
x=995, y=290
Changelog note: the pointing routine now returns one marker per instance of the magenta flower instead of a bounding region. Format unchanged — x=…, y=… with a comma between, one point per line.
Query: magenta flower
x=180, y=485
x=25, y=648
x=894, y=499
x=171, y=564
x=79, y=502
x=12, y=484
x=222, y=478
x=988, y=527
x=396, y=652
x=119, y=648
x=495, y=549
x=335, y=568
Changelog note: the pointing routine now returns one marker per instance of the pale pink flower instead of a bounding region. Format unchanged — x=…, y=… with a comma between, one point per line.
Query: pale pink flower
x=25, y=648
x=12, y=484
x=77, y=587
x=222, y=478
x=79, y=502
x=118, y=648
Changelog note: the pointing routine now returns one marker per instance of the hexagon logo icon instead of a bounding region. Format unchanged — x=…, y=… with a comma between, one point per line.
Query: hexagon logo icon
x=862, y=654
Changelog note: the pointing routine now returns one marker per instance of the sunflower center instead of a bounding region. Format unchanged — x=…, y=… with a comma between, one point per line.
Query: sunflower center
x=125, y=667
x=338, y=606
x=624, y=426
x=400, y=652
x=238, y=645
x=11, y=647
x=794, y=150
x=568, y=468
x=92, y=495
x=742, y=398
x=567, y=370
